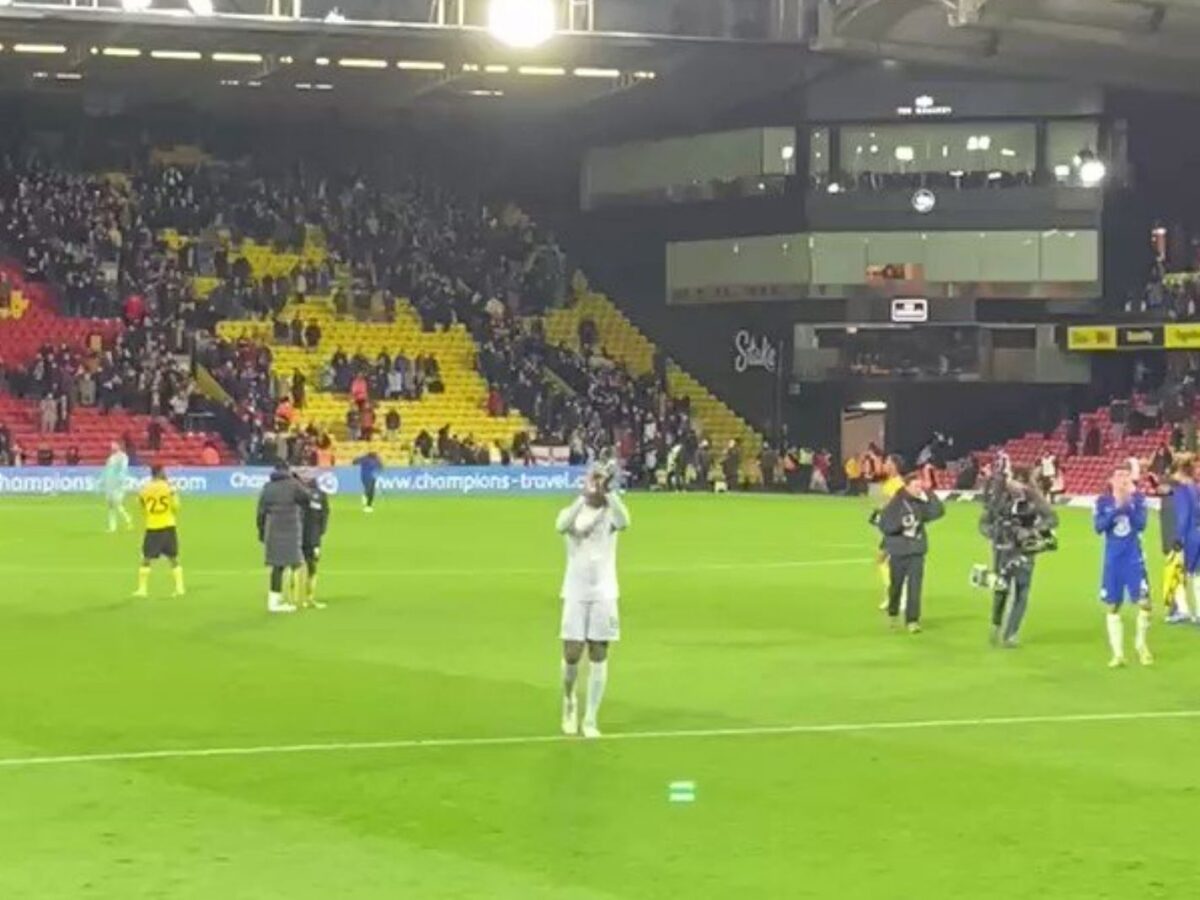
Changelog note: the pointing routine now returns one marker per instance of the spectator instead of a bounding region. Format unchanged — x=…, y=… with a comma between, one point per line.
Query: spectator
x=48, y=408
x=312, y=335
x=392, y=424
x=154, y=435
x=72, y=455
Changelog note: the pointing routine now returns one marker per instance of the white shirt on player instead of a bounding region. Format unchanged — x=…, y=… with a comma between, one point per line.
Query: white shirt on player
x=591, y=538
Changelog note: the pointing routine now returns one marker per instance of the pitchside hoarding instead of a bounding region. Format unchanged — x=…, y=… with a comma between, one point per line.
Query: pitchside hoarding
x=234, y=481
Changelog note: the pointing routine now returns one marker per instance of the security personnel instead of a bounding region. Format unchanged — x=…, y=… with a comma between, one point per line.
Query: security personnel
x=903, y=523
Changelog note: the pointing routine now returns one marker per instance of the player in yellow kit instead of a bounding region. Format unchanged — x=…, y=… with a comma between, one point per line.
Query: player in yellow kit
x=892, y=483
x=160, y=504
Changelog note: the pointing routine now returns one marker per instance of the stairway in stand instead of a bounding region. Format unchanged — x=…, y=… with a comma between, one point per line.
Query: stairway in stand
x=628, y=345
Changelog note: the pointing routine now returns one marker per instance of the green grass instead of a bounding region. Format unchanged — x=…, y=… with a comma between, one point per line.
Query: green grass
x=442, y=624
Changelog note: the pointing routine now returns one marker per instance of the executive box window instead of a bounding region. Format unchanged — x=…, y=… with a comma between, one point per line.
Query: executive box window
x=953, y=155
x=920, y=352
x=881, y=155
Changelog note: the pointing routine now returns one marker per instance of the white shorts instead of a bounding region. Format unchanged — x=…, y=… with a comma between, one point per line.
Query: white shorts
x=591, y=620
x=116, y=498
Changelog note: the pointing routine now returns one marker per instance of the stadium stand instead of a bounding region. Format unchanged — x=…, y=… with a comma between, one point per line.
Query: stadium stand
x=1083, y=472
x=268, y=285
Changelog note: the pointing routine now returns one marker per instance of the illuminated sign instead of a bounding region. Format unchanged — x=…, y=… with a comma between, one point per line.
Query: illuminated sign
x=913, y=309
x=925, y=105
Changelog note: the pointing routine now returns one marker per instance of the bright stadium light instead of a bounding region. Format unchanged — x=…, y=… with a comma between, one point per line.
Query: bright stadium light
x=201, y=7
x=135, y=5
x=522, y=23
x=1092, y=171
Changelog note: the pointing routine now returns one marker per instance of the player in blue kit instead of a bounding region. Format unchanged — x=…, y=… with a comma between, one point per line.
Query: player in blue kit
x=1120, y=517
x=1185, y=503
x=369, y=467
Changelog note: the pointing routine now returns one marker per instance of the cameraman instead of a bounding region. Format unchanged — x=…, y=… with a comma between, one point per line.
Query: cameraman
x=1018, y=521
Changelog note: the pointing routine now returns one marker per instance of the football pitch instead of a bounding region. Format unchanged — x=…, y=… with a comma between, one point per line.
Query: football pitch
x=404, y=742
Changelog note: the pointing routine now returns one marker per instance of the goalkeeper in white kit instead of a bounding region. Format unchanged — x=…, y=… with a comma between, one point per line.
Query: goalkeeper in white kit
x=113, y=481
x=589, y=593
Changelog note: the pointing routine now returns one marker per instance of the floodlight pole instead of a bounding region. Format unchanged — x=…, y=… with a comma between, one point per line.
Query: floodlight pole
x=581, y=15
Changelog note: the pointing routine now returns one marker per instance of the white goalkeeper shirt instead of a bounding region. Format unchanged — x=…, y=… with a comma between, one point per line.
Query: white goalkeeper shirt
x=591, y=537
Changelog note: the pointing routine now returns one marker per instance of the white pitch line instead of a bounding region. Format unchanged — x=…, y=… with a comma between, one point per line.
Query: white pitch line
x=629, y=570
x=16, y=762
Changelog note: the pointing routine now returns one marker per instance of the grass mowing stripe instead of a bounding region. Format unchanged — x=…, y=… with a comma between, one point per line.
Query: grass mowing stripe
x=14, y=762
x=631, y=570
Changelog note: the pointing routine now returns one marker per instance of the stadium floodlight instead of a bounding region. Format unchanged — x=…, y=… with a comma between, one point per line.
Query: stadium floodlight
x=201, y=7
x=522, y=23
x=1092, y=171
x=135, y=5
x=834, y=188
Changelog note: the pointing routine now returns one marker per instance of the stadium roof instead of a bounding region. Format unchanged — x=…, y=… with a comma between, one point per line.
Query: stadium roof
x=1142, y=43
x=119, y=60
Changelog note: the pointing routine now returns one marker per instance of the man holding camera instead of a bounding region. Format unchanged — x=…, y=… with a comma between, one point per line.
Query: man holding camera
x=1019, y=523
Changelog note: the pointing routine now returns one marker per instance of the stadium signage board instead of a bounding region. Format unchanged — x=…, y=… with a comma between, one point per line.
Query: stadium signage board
x=925, y=105
x=248, y=481
x=1182, y=337
x=1092, y=337
x=910, y=310
x=1140, y=337
x=1133, y=337
x=754, y=353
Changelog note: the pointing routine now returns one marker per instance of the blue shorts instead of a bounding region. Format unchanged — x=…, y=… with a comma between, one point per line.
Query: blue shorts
x=1126, y=581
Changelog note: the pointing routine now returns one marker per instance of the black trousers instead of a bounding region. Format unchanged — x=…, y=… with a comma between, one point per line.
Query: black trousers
x=1018, y=586
x=906, y=572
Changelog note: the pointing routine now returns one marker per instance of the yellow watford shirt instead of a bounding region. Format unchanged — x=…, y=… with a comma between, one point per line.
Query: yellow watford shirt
x=159, y=505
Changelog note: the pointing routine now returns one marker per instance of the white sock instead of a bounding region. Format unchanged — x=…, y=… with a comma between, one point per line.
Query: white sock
x=274, y=598
x=1181, y=602
x=570, y=671
x=112, y=520
x=125, y=515
x=1116, y=634
x=904, y=597
x=597, y=679
x=1195, y=580
x=1143, y=628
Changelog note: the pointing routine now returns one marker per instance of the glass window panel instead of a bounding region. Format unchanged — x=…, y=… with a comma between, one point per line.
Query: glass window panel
x=1009, y=147
x=1066, y=138
x=952, y=255
x=1070, y=256
x=1009, y=256
x=818, y=152
x=839, y=258
x=902, y=247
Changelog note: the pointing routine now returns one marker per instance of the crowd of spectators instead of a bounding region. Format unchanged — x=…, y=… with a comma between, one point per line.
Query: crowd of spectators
x=96, y=239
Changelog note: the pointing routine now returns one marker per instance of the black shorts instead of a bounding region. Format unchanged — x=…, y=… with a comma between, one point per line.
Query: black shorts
x=311, y=553
x=160, y=542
